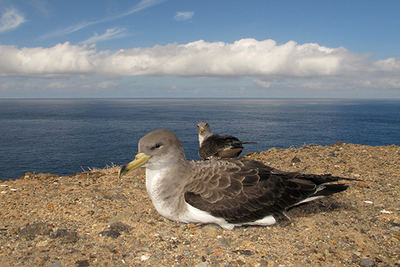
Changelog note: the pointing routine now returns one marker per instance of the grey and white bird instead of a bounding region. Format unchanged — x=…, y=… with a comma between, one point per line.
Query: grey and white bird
x=218, y=146
x=227, y=192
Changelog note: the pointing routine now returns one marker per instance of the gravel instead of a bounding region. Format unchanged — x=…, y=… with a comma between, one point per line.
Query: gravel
x=95, y=219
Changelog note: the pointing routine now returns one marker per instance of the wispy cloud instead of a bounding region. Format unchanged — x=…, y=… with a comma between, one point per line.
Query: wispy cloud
x=143, y=4
x=180, y=16
x=10, y=20
x=113, y=33
x=308, y=65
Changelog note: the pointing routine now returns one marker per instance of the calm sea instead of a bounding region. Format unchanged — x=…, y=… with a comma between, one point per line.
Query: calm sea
x=65, y=136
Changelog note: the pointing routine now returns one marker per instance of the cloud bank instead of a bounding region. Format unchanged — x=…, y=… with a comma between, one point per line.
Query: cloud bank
x=10, y=20
x=264, y=61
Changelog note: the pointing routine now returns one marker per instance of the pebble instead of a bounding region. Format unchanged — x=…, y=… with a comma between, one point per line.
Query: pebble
x=144, y=257
x=56, y=264
x=42, y=243
x=386, y=211
x=210, y=230
x=367, y=262
x=82, y=263
x=202, y=264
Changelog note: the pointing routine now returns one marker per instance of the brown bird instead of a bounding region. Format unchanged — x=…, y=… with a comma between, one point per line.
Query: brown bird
x=227, y=192
x=218, y=146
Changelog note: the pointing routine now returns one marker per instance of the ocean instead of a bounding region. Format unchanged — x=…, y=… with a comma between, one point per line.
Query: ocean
x=66, y=136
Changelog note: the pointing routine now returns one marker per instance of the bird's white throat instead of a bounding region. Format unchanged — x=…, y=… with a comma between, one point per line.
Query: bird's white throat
x=165, y=192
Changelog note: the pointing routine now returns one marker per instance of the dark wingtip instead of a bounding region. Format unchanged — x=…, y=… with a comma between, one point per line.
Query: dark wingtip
x=330, y=189
x=245, y=142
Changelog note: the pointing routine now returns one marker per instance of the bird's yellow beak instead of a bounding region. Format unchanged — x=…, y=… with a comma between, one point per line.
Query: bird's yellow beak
x=140, y=160
x=201, y=129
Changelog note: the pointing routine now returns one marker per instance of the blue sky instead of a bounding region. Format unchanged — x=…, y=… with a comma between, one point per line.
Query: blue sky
x=164, y=48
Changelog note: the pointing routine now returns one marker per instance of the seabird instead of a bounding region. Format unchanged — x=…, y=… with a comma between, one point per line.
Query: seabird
x=227, y=192
x=218, y=146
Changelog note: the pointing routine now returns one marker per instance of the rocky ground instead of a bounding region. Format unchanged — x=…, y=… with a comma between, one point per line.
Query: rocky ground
x=95, y=219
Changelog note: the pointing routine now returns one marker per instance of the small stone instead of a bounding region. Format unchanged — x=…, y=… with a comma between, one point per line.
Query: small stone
x=243, y=252
x=42, y=243
x=367, y=262
x=66, y=236
x=224, y=242
x=110, y=233
x=144, y=257
x=295, y=160
x=120, y=227
x=202, y=264
x=210, y=230
x=395, y=229
x=386, y=211
x=82, y=263
x=56, y=264
x=32, y=230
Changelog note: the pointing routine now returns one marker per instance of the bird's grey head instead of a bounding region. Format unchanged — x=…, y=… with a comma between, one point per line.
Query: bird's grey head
x=159, y=143
x=156, y=149
x=204, y=129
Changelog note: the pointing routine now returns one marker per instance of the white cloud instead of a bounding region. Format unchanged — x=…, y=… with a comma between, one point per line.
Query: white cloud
x=108, y=35
x=59, y=60
x=183, y=15
x=10, y=20
x=265, y=61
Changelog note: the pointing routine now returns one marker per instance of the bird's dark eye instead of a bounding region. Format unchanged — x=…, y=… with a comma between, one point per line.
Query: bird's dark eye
x=158, y=145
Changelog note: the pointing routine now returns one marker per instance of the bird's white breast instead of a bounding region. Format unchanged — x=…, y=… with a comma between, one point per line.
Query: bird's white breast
x=154, y=189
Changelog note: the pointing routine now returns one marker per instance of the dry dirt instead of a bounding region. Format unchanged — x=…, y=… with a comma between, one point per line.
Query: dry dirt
x=95, y=219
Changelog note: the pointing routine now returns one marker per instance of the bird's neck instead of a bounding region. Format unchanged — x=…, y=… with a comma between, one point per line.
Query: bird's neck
x=165, y=188
x=203, y=137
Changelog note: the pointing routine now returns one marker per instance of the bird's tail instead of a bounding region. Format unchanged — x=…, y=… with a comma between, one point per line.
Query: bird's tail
x=324, y=178
x=323, y=191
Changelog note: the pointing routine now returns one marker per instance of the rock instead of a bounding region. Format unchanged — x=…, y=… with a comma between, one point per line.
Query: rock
x=395, y=229
x=42, y=243
x=115, y=230
x=55, y=264
x=295, y=160
x=224, y=242
x=202, y=264
x=243, y=252
x=82, y=263
x=120, y=227
x=367, y=262
x=32, y=230
x=210, y=230
x=110, y=233
x=66, y=236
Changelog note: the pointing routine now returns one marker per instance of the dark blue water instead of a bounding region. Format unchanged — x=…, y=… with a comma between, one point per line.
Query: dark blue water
x=68, y=136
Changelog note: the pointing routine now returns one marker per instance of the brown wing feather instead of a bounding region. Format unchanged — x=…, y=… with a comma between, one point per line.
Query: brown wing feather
x=243, y=190
x=220, y=146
